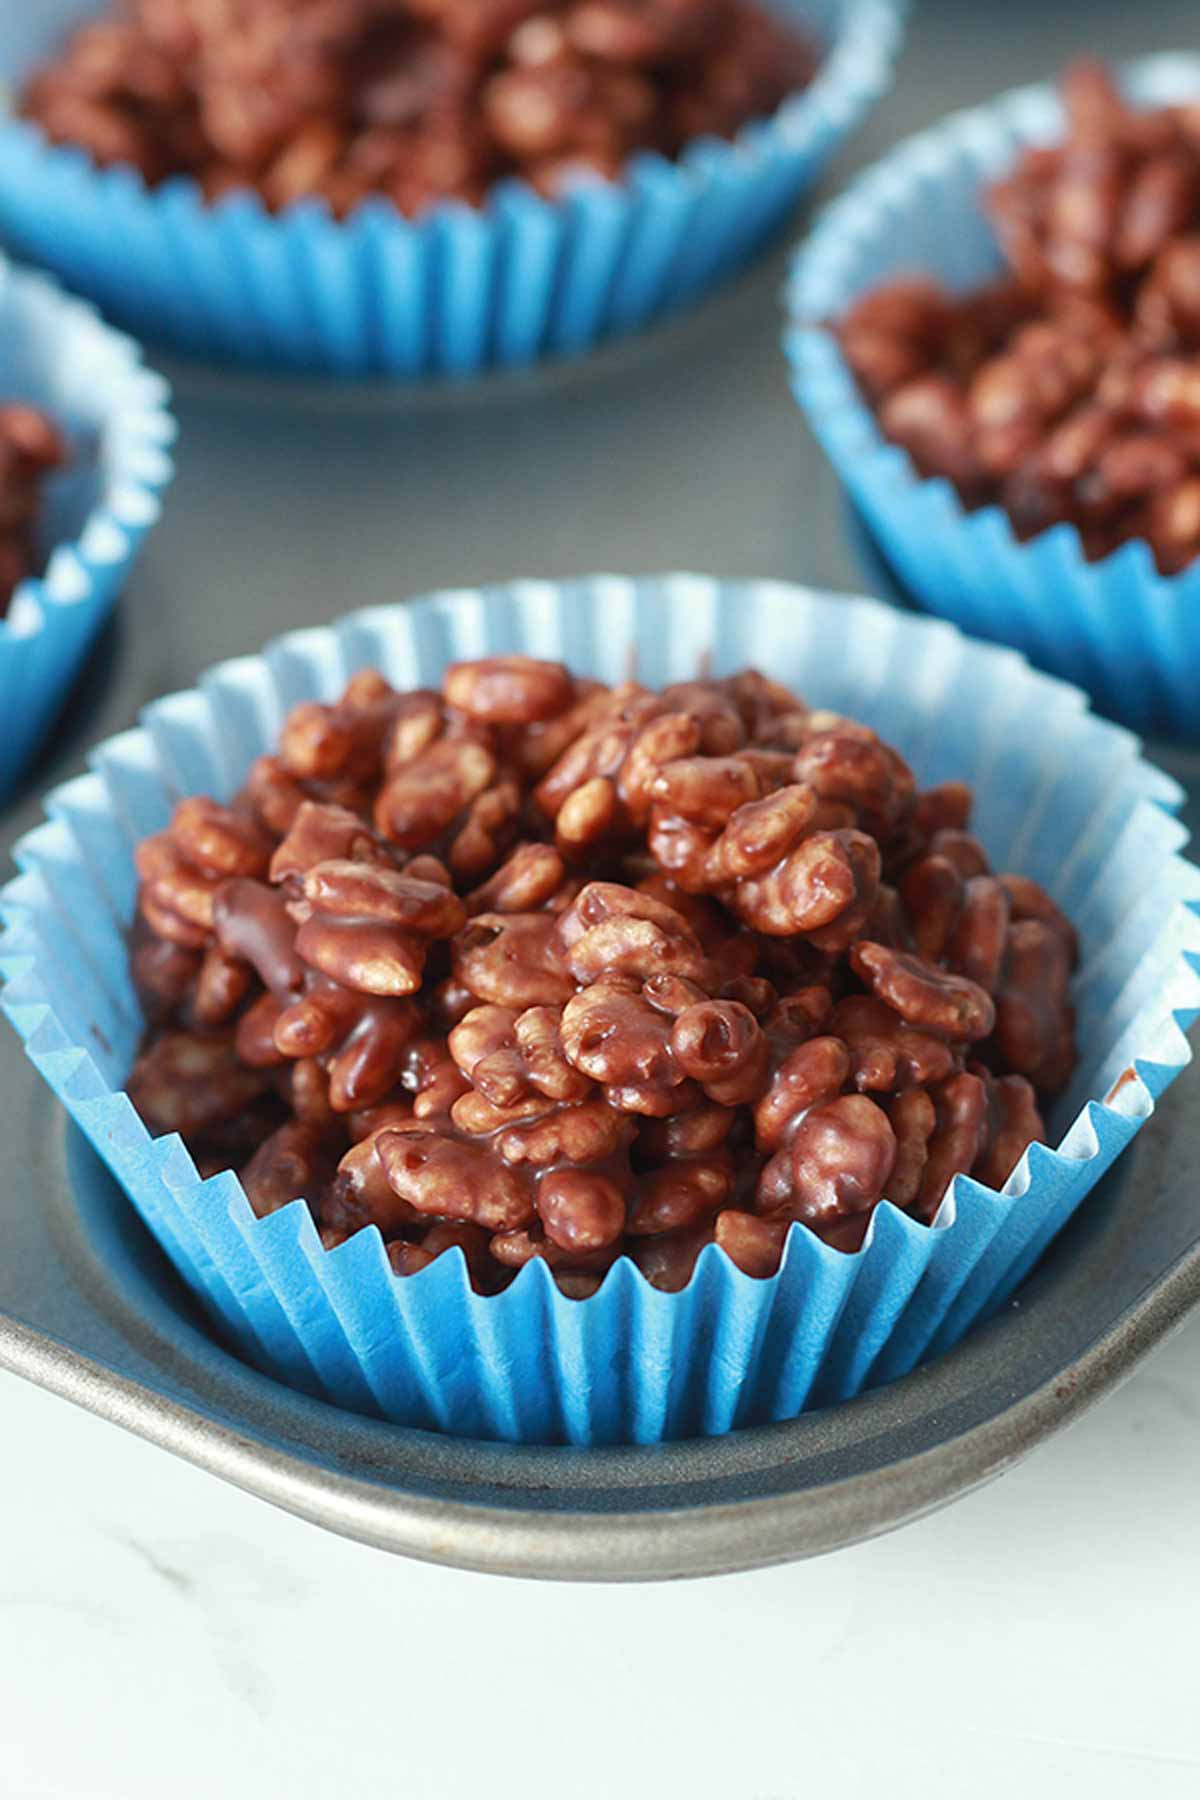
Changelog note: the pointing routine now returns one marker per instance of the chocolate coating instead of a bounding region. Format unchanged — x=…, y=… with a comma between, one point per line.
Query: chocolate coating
x=453, y=1021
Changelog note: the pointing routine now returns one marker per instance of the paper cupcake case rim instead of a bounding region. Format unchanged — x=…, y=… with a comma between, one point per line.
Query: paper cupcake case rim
x=905, y=510
x=461, y=289
x=630, y=1363
x=54, y=616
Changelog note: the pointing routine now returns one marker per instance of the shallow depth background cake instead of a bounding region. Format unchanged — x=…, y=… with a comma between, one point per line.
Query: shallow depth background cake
x=31, y=448
x=1068, y=391
x=993, y=336
x=380, y=187
x=412, y=100
x=85, y=433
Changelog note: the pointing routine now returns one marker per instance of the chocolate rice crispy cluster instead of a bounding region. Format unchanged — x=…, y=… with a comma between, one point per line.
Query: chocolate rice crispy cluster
x=416, y=100
x=31, y=446
x=542, y=968
x=1069, y=390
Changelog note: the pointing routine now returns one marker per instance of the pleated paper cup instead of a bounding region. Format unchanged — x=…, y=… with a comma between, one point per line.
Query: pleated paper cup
x=1127, y=634
x=459, y=291
x=1060, y=795
x=56, y=354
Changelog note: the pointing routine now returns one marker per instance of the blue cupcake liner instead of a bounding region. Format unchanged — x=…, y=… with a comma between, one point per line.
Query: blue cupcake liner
x=1126, y=633
x=55, y=353
x=1060, y=794
x=457, y=292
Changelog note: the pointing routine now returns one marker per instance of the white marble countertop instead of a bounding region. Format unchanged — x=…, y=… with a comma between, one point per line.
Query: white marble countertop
x=162, y=1634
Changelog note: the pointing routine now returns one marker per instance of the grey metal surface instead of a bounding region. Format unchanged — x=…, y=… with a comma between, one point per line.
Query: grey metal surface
x=295, y=503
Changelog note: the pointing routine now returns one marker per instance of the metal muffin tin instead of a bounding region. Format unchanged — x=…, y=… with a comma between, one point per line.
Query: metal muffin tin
x=293, y=504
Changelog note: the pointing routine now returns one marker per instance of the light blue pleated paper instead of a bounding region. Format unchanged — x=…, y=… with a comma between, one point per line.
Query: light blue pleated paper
x=1117, y=627
x=461, y=290
x=55, y=353
x=1060, y=795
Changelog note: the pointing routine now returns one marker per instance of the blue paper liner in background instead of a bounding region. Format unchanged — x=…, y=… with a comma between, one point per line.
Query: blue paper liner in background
x=1061, y=795
x=460, y=290
x=55, y=353
x=1127, y=634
